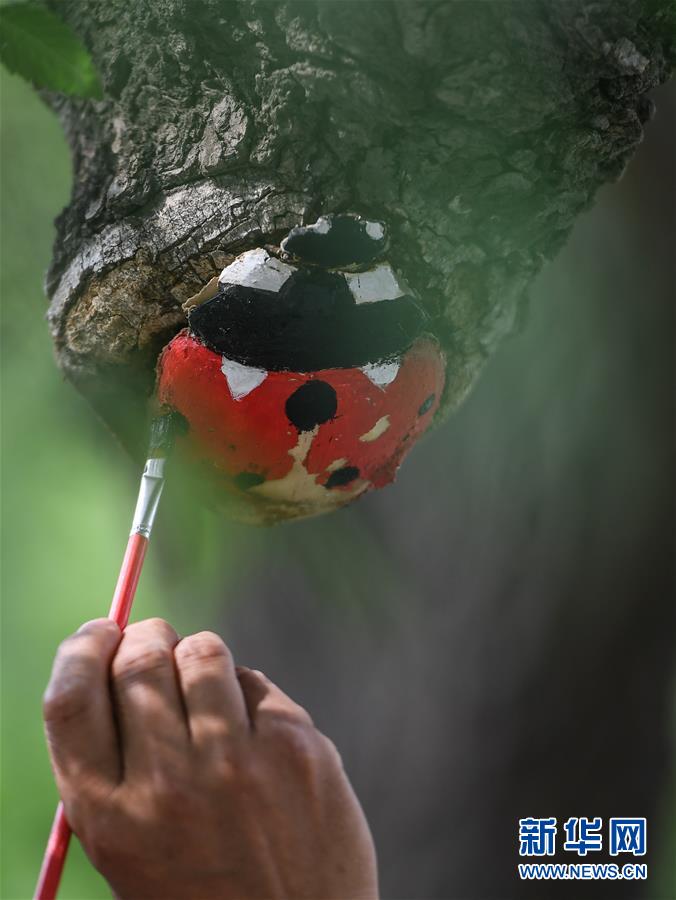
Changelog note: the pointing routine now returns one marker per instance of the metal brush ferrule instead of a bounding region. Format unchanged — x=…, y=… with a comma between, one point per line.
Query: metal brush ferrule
x=152, y=482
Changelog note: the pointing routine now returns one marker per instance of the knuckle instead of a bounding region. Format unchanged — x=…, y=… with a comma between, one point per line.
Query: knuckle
x=153, y=626
x=153, y=657
x=69, y=653
x=238, y=763
x=98, y=627
x=294, y=737
x=239, y=773
x=203, y=646
x=245, y=781
x=166, y=787
x=63, y=702
x=68, y=646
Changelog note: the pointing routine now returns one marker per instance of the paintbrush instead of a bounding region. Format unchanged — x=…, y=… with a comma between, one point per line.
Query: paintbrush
x=162, y=433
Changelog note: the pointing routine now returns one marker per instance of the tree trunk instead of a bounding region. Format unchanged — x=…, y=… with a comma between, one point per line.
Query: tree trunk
x=476, y=130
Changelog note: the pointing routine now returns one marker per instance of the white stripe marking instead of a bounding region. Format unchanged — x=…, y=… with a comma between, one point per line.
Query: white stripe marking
x=376, y=284
x=381, y=374
x=257, y=269
x=241, y=379
x=375, y=231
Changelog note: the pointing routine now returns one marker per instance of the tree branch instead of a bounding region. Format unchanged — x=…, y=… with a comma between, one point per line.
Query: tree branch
x=476, y=131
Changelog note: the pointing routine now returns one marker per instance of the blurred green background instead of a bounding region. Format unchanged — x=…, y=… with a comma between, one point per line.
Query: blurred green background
x=66, y=492
x=377, y=584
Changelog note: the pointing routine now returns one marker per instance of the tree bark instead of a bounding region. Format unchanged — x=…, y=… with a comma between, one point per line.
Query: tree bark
x=477, y=131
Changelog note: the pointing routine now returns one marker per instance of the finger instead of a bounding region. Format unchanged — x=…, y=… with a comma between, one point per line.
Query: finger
x=266, y=703
x=213, y=698
x=151, y=718
x=77, y=708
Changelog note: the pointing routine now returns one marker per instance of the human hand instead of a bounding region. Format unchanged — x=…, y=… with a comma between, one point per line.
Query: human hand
x=184, y=777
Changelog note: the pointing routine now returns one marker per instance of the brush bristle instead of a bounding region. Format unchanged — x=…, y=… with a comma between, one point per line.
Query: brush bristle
x=163, y=430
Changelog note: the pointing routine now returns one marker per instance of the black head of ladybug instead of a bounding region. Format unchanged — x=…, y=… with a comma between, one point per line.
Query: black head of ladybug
x=296, y=316
x=337, y=242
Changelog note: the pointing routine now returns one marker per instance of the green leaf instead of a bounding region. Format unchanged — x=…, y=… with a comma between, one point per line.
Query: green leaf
x=37, y=45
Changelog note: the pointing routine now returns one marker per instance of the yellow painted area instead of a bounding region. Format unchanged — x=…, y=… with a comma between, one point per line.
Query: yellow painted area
x=299, y=489
x=209, y=290
x=379, y=428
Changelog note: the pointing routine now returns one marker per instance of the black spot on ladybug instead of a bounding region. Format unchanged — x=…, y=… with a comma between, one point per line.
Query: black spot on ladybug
x=342, y=477
x=336, y=241
x=314, y=403
x=312, y=323
x=426, y=405
x=246, y=480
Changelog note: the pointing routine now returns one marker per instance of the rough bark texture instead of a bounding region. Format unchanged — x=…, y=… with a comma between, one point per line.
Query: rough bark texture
x=477, y=130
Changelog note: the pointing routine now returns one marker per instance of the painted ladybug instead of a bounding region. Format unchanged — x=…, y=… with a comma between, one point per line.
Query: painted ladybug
x=306, y=375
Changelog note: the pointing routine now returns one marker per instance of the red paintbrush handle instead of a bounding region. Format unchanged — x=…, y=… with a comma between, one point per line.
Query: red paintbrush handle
x=130, y=572
x=54, y=858
x=59, y=838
